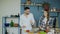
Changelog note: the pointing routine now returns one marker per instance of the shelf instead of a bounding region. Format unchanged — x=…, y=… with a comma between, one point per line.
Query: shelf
x=7, y=19
x=12, y=27
x=53, y=11
x=32, y=4
x=11, y=17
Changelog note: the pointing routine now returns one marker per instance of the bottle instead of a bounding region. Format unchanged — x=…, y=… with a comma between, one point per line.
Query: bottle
x=11, y=23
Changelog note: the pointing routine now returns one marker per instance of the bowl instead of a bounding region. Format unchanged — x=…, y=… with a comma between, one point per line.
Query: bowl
x=6, y=24
x=15, y=25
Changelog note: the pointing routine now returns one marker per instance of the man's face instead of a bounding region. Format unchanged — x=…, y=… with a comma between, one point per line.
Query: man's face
x=27, y=11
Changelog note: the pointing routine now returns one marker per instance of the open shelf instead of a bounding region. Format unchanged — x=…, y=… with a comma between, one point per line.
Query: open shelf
x=32, y=4
x=8, y=28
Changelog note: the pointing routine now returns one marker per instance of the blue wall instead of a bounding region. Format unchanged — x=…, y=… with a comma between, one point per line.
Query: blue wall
x=38, y=13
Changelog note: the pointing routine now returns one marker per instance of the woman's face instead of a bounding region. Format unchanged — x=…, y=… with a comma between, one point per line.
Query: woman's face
x=45, y=13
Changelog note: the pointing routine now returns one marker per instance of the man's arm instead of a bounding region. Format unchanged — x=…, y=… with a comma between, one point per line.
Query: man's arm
x=32, y=19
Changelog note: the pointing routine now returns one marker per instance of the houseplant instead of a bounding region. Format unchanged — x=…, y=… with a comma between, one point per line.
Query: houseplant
x=46, y=6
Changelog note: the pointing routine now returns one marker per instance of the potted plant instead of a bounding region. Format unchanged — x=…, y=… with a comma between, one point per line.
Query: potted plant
x=46, y=6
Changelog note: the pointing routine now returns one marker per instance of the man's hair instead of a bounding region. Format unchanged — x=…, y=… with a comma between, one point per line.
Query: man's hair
x=26, y=8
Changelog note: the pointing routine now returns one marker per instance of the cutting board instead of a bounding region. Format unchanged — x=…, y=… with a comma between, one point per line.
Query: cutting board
x=30, y=33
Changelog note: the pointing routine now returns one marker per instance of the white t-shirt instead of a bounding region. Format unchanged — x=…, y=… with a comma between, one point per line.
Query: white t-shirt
x=25, y=21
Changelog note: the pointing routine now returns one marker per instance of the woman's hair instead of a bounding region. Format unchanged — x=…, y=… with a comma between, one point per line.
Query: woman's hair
x=47, y=17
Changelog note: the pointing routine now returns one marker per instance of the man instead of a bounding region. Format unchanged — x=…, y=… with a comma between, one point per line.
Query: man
x=26, y=20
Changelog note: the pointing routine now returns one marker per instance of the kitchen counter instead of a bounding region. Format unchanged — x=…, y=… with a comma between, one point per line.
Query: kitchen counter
x=35, y=31
x=41, y=32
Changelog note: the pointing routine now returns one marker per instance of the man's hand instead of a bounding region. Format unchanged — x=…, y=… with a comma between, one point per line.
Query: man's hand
x=23, y=26
x=31, y=22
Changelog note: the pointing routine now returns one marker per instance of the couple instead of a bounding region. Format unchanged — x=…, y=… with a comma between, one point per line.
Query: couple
x=27, y=20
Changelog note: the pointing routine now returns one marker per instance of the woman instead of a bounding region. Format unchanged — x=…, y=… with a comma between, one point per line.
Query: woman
x=45, y=21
